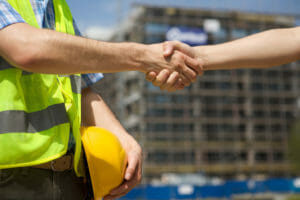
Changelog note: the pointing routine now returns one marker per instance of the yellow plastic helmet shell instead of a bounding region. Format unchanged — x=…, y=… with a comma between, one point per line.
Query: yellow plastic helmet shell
x=106, y=159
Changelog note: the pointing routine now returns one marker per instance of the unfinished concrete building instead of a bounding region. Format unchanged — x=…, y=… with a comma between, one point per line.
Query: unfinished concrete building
x=228, y=123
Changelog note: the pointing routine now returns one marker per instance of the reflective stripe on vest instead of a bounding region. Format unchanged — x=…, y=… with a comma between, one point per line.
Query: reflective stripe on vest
x=38, y=110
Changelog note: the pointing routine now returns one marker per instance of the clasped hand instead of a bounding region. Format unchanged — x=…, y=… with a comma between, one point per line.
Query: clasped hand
x=183, y=69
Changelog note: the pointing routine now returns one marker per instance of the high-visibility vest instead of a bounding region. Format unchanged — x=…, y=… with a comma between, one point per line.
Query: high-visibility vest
x=37, y=110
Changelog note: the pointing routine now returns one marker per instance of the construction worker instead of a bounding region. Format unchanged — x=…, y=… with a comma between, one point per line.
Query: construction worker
x=261, y=50
x=41, y=98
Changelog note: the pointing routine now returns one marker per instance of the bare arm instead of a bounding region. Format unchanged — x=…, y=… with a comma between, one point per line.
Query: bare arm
x=48, y=51
x=96, y=113
x=266, y=49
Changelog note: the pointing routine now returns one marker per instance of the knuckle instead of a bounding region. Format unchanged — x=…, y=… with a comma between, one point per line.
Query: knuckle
x=193, y=75
x=181, y=56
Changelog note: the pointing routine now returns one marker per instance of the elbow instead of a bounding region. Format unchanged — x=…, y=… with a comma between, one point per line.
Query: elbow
x=24, y=54
x=24, y=50
x=23, y=59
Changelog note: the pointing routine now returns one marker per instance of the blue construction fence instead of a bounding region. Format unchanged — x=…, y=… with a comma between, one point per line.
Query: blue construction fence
x=223, y=191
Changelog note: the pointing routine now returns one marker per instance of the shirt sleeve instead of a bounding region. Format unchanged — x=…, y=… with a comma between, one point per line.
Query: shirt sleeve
x=90, y=79
x=8, y=15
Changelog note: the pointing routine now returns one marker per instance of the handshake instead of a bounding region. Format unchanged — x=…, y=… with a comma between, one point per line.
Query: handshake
x=173, y=69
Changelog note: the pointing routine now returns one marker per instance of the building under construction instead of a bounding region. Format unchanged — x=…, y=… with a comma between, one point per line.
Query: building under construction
x=229, y=123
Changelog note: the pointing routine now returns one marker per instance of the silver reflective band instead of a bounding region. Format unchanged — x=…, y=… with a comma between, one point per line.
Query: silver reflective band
x=15, y=121
x=76, y=84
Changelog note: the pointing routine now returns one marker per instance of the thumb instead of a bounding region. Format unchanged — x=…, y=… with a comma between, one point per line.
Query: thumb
x=170, y=46
x=168, y=49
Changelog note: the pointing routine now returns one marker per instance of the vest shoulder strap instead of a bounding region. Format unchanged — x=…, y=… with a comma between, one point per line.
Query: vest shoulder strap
x=24, y=8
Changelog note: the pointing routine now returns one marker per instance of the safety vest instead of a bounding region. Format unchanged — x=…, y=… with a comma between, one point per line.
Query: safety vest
x=37, y=110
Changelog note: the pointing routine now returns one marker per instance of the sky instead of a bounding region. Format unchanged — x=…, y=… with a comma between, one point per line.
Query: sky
x=105, y=15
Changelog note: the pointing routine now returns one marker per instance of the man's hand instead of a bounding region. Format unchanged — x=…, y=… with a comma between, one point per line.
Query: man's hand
x=133, y=173
x=168, y=80
x=96, y=113
x=176, y=69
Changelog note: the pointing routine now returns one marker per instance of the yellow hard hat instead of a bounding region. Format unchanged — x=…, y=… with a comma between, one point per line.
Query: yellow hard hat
x=106, y=159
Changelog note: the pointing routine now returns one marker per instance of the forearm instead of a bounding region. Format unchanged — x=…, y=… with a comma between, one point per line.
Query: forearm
x=47, y=51
x=266, y=49
x=96, y=113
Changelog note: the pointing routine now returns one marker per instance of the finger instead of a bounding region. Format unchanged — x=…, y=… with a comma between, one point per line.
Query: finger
x=189, y=73
x=177, y=86
x=169, y=84
x=132, y=166
x=109, y=197
x=185, y=81
x=183, y=68
x=126, y=186
x=150, y=76
x=194, y=64
x=161, y=78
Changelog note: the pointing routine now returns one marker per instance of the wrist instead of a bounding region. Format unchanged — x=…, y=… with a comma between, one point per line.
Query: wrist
x=137, y=56
x=202, y=55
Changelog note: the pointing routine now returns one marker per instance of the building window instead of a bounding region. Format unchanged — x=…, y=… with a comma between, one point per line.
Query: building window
x=159, y=98
x=261, y=156
x=184, y=157
x=182, y=127
x=260, y=128
x=150, y=39
x=157, y=127
x=224, y=85
x=180, y=99
x=257, y=86
x=256, y=73
x=274, y=101
x=177, y=112
x=156, y=28
x=275, y=114
x=238, y=33
x=209, y=85
x=155, y=112
x=258, y=100
x=212, y=157
x=210, y=128
x=158, y=157
x=259, y=114
x=278, y=156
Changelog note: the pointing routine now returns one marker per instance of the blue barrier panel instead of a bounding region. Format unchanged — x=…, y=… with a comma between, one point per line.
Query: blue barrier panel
x=210, y=191
x=279, y=185
x=135, y=193
x=259, y=187
x=236, y=187
x=226, y=190
x=185, y=192
x=160, y=192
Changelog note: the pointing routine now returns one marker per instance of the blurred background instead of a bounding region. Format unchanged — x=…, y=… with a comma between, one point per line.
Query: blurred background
x=231, y=135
